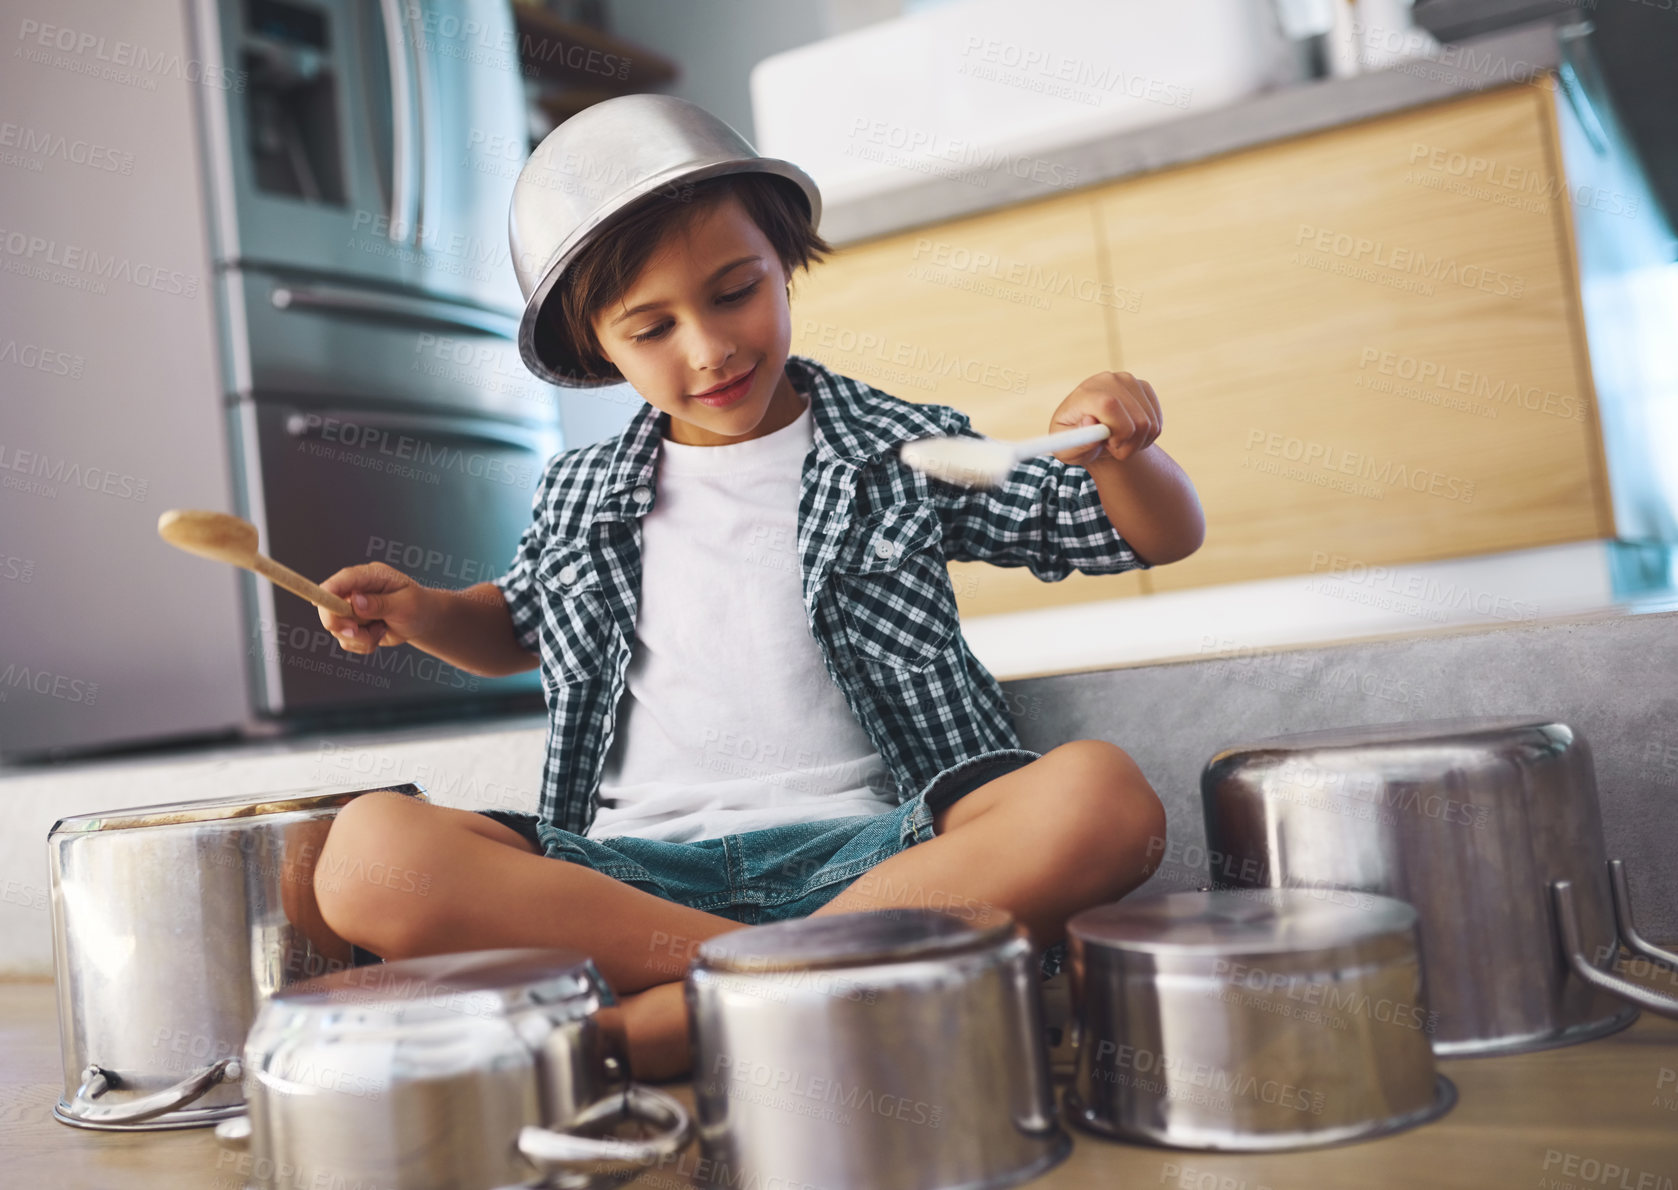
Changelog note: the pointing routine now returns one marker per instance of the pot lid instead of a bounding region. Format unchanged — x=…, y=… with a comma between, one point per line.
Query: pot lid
x=1440, y=731
x=1241, y=921
x=214, y=809
x=477, y=983
x=853, y=939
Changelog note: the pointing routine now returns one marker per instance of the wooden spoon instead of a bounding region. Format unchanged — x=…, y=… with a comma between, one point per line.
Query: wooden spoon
x=222, y=537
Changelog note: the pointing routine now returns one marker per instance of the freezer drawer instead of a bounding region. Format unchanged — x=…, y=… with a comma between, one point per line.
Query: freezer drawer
x=320, y=340
x=444, y=500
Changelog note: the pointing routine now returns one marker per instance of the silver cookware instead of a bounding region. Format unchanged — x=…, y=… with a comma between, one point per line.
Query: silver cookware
x=1490, y=827
x=602, y=161
x=899, y=1049
x=171, y=924
x=471, y=1071
x=1250, y=1021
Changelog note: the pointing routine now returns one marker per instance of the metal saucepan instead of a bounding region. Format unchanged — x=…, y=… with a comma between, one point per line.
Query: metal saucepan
x=1250, y=1021
x=898, y=1049
x=1489, y=826
x=472, y=1071
x=171, y=924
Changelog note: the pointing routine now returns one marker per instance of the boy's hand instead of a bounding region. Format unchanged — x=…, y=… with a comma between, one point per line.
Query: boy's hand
x=1124, y=404
x=390, y=607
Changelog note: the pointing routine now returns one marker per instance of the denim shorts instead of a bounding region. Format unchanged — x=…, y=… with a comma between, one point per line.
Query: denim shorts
x=780, y=872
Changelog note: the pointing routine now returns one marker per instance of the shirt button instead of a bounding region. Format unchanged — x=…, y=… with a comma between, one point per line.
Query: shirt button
x=884, y=548
x=568, y=573
x=643, y=494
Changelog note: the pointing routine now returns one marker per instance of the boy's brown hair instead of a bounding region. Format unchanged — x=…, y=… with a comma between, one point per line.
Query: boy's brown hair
x=603, y=271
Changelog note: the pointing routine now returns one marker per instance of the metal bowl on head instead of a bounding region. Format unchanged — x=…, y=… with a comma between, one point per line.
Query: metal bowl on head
x=1254, y=1022
x=599, y=163
x=898, y=1049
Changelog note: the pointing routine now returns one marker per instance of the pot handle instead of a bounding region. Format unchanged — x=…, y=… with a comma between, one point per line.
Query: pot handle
x=96, y=1080
x=1036, y=1085
x=561, y=1152
x=1622, y=916
x=1567, y=926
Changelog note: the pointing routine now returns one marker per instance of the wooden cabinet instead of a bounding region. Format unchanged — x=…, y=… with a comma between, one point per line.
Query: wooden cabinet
x=1367, y=341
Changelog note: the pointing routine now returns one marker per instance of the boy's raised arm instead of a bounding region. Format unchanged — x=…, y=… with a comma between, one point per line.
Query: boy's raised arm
x=1144, y=492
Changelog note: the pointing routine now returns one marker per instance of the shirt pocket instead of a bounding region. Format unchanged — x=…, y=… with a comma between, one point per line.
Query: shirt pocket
x=894, y=588
x=576, y=619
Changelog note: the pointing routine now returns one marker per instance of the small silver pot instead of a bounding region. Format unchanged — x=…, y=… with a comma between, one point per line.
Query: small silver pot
x=471, y=1071
x=1490, y=827
x=899, y=1049
x=1250, y=1021
x=171, y=925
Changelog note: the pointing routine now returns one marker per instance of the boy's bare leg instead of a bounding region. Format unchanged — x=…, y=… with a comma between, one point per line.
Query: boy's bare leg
x=403, y=877
x=1078, y=827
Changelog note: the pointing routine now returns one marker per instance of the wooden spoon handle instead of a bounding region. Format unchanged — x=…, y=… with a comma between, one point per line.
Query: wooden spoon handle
x=285, y=576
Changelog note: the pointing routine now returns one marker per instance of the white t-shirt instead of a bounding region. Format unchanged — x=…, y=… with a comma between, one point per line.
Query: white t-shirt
x=729, y=720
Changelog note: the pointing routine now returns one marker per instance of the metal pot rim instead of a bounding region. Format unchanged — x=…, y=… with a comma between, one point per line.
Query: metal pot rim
x=1231, y=922
x=222, y=808
x=860, y=939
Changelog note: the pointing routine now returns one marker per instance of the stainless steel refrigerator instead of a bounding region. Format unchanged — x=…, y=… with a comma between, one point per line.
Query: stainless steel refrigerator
x=328, y=180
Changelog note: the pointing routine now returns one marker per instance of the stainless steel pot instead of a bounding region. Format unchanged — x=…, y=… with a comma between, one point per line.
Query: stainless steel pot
x=463, y=1071
x=171, y=924
x=899, y=1049
x=1489, y=826
x=1250, y=1021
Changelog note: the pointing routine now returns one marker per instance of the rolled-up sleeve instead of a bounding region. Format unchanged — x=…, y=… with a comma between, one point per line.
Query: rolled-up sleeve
x=1046, y=515
x=518, y=585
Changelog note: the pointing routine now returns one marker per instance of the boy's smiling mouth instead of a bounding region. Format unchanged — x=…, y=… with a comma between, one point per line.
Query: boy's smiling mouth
x=729, y=391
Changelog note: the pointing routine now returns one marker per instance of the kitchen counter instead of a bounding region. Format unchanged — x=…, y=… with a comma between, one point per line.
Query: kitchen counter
x=1525, y=53
x=1553, y=1120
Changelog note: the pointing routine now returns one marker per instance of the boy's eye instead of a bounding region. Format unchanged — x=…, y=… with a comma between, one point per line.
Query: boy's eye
x=733, y=299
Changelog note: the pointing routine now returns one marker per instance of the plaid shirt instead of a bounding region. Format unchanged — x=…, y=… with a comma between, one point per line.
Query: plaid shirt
x=873, y=539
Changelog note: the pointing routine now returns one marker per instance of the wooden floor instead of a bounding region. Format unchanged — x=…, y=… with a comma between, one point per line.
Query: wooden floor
x=1599, y=1115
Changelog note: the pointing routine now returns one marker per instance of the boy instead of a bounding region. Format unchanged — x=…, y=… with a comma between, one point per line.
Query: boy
x=761, y=704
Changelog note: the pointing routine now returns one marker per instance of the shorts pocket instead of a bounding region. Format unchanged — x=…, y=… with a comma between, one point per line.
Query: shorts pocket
x=894, y=588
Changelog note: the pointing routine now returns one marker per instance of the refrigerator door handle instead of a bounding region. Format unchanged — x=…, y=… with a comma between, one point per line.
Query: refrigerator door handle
x=460, y=429
x=370, y=302
x=404, y=140
x=428, y=162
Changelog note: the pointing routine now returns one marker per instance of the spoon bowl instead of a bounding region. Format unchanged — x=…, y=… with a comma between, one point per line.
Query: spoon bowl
x=222, y=537
x=218, y=536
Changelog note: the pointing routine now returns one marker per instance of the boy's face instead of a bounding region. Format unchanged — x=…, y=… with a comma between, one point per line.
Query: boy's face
x=721, y=312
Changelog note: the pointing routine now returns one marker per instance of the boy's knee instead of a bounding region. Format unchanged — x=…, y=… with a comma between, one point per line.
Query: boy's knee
x=1117, y=823
x=1096, y=761
x=365, y=885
